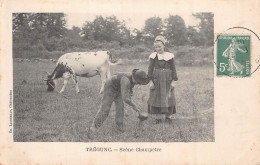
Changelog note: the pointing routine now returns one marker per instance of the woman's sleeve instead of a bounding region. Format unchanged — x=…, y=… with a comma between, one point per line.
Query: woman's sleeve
x=150, y=69
x=173, y=69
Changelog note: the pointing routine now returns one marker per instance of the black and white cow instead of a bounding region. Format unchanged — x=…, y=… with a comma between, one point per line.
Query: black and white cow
x=83, y=64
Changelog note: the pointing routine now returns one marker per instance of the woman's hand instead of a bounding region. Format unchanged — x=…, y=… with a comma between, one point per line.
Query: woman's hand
x=151, y=85
x=135, y=108
x=172, y=84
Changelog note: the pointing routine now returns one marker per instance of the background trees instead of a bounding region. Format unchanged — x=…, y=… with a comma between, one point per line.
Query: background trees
x=39, y=34
x=39, y=25
x=175, y=30
x=106, y=29
x=153, y=27
x=206, y=28
x=37, y=31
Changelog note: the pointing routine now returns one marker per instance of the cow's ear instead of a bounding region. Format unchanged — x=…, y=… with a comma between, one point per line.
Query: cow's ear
x=108, y=53
x=134, y=70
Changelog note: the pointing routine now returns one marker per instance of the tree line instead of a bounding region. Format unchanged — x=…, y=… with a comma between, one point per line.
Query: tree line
x=47, y=32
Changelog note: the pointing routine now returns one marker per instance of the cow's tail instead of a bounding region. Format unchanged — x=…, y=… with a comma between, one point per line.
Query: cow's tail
x=114, y=62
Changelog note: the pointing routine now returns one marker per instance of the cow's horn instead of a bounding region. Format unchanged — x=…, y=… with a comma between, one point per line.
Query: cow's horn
x=44, y=79
x=48, y=73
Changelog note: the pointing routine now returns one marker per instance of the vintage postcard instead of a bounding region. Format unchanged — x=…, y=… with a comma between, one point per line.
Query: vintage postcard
x=129, y=82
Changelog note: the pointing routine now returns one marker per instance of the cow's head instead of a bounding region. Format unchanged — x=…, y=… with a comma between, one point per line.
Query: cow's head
x=50, y=83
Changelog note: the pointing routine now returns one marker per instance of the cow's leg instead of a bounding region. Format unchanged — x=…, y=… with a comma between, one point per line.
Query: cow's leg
x=66, y=77
x=108, y=72
x=55, y=82
x=64, y=85
x=76, y=82
x=103, y=75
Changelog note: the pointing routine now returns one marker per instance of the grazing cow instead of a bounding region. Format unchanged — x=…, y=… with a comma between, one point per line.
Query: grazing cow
x=83, y=64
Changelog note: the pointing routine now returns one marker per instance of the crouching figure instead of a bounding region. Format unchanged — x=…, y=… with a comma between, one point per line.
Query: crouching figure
x=118, y=89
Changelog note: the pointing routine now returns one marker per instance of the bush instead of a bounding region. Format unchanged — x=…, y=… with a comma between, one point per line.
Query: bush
x=54, y=44
x=188, y=55
x=54, y=47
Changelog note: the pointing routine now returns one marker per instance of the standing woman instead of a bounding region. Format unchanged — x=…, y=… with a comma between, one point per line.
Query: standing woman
x=162, y=72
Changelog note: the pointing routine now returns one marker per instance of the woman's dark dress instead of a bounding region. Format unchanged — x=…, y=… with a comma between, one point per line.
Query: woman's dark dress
x=161, y=98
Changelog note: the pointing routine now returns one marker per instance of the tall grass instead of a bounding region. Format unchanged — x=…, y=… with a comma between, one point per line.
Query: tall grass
x=54, y=117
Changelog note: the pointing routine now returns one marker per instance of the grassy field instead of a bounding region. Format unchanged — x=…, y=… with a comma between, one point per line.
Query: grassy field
x=52, y=117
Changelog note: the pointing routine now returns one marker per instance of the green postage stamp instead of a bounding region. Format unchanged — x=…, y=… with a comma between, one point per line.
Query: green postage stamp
x=233, y=55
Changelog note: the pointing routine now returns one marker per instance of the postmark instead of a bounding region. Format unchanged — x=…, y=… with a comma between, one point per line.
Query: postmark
x=233, y=55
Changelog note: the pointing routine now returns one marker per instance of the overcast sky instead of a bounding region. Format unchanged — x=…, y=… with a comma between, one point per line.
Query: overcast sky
x=133, y=20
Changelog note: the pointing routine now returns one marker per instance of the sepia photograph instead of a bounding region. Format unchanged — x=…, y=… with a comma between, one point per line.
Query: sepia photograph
x=129, y=82
x=113, y=78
